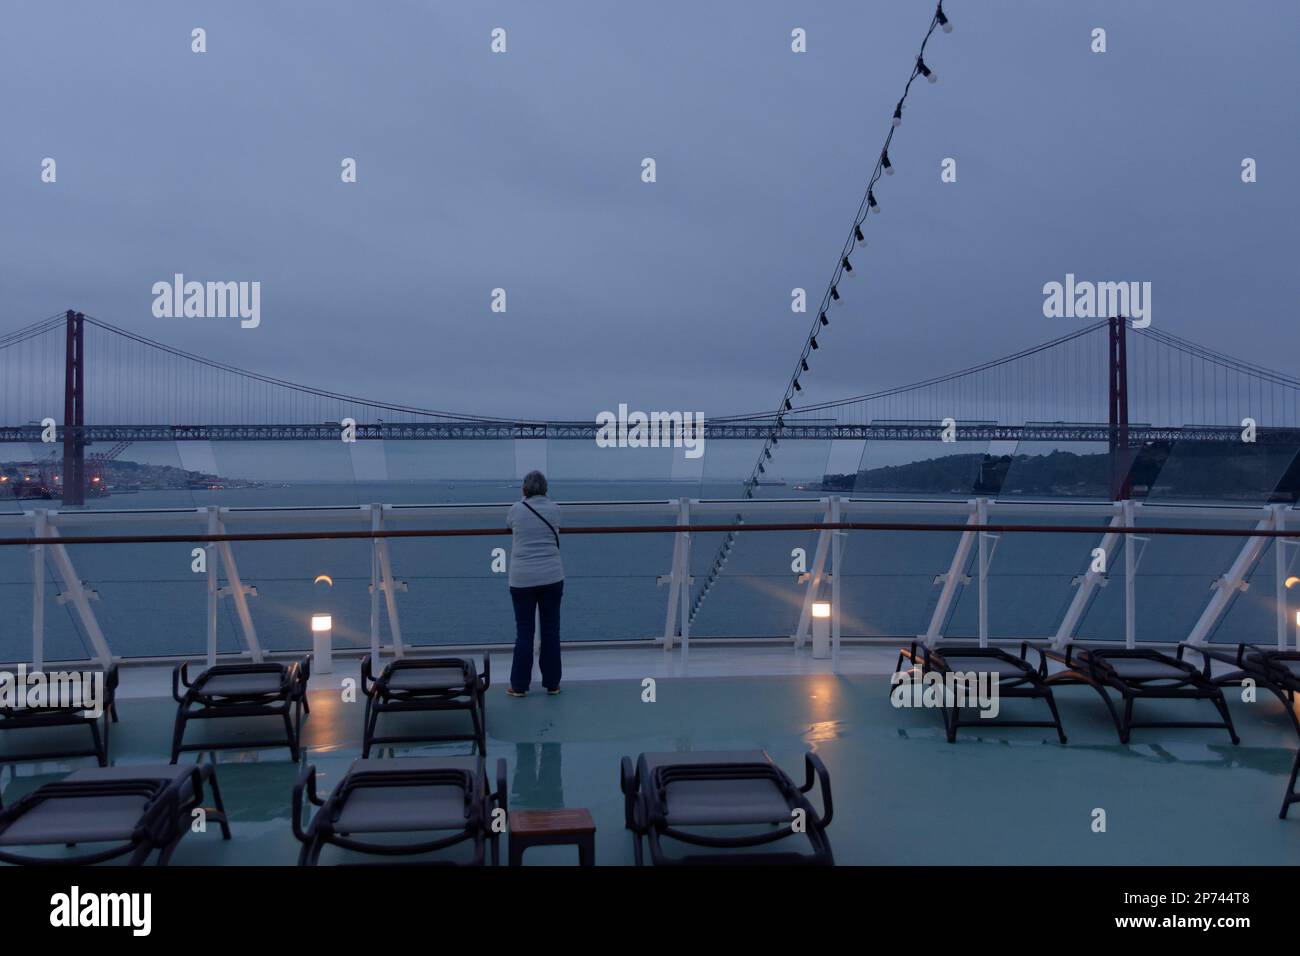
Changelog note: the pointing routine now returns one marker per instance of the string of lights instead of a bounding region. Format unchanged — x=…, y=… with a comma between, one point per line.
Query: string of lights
x=831, y=299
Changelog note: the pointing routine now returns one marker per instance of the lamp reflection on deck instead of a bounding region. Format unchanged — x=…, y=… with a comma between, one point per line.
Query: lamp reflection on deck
x=824, y=722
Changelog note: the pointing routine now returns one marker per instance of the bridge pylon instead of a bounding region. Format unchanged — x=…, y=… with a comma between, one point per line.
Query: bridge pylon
x=73, y=481
x=1120, y=484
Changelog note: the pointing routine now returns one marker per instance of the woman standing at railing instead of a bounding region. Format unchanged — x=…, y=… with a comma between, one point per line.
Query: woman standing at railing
x=536, y=584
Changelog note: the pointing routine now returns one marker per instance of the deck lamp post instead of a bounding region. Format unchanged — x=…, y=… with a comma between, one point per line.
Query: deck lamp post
x=821, y=629
x=1281, y=616
x=321, y=643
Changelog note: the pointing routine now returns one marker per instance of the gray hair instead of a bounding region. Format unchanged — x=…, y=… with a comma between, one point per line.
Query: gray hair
x=534, y=484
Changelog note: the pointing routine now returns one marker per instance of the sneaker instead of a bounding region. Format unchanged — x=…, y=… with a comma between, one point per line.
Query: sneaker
x=510, y=691
x=552, y=691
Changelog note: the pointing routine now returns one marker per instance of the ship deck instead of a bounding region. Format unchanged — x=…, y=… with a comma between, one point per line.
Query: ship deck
x=903, y=794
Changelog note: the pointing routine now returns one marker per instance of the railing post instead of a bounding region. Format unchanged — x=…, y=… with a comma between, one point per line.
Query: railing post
x=982, y=517
x=955, y=578
x=1130, y=583
x=74, y=591
x=375, y=511
x=1087, y=584
x=837, y=572
x=814, y=577
x=684, y=587
x=210, y=560
x=388, y=583
x=1279, y=564
x=38, y=590
x=673, y=580
x=1234, y=581
x=235, y=588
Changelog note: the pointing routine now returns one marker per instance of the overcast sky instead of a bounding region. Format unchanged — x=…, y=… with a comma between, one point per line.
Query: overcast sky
x=523, y=171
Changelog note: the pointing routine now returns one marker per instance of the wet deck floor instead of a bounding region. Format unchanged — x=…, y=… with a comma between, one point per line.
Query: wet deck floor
x=903, y=794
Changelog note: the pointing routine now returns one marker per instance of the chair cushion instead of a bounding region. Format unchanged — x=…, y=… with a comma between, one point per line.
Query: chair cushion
x=399, y=809
x=1141, y=669
x=221, y=685
x=649, y=762
x=402, y=809
x=165, y=772
x=432, y=678
x=77, y=820
x=996, y=666
x=471, y=763
x=705, y=802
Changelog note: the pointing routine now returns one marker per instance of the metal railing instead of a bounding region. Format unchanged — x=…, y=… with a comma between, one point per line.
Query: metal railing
x=979, y=526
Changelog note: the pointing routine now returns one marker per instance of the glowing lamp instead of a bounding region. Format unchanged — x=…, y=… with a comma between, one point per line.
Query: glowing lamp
x=321, y=643
x=821, y=629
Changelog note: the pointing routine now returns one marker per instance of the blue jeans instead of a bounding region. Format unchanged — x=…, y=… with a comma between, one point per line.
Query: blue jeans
x=527, y=601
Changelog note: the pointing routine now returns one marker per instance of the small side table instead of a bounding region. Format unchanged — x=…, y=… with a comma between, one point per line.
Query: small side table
x=571, y=826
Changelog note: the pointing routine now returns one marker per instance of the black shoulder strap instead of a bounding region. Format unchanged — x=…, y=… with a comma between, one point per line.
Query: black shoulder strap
x=544, y=521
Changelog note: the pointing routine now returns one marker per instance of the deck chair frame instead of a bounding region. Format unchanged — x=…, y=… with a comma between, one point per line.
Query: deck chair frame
x=480, y=802
x=1266, y=667
x=203, y=699
x=1030, y=682
x=165, y=818
x=646, y=812
x=385, y=696
x=1093, y=667
x=28, y=719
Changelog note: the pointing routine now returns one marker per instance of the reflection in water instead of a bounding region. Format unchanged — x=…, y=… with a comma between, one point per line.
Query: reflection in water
x=537, y=783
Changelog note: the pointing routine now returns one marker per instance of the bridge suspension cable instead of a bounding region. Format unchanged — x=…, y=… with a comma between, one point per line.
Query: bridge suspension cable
x=1175, y=382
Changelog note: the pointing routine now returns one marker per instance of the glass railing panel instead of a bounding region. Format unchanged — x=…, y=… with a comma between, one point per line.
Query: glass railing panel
x=1251, y=618
x=419, y=472
x=1172, y=582
x=888, y=588
x=928, y=469
x=1056, y=470
x=24, y=477
x=1208, y=472
x=757, y=593
x=150, y=600
x=271, y=474
x=1031, y=578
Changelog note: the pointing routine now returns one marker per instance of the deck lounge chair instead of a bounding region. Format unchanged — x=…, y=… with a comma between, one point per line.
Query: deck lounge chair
x=135, y=810
x=689, y=796
x=1140, y=674
x=1016, y=678
x=409, y=685
x=1277, y=671
x=398, y=795
x=242, y=690
x=25, y=718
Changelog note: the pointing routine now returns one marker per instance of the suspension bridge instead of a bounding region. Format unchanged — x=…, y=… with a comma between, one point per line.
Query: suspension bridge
x=1107, y=382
